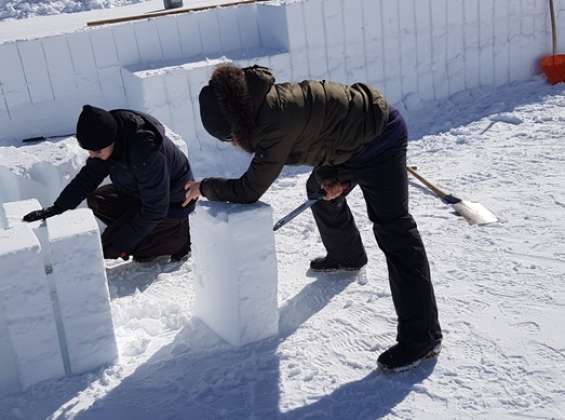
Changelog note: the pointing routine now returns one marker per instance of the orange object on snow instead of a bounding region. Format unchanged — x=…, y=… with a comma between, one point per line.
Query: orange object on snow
x=553, y=66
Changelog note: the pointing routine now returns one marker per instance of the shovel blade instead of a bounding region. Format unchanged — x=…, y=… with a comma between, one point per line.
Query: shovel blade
x=474, y=213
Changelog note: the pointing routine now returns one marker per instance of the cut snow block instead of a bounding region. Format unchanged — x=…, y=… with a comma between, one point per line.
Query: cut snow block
x=29, y=344
x=11, y=215
x=82, y=290
x=235, y=266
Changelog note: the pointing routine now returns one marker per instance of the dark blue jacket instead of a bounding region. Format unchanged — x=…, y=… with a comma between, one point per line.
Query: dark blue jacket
x=145, y=164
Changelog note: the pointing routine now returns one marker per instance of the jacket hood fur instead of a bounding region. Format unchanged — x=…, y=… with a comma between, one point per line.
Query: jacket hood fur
x=240, y=93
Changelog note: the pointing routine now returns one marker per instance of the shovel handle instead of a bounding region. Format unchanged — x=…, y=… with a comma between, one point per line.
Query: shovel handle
x=553, y=26
x=441, y=194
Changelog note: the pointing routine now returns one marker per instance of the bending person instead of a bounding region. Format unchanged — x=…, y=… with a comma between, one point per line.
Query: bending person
x=142, y=207
x=350, y=136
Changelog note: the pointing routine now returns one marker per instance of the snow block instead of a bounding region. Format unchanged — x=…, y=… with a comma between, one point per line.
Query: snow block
x=439, y=48
x=148, y=41
x=248, y=27
x=272, y=26
x=87, y=81
x=408, y=57
x=472, y=44
x=335, y=39
x=29, y=342
x=105, y=54
x=189, y=31
x=355, y=41
x=39, y=170
x=112, y=87
x=230, y=35
x=78, y=273
x=210, y=32
x=33, y=62
x=11, y=213
x=169, y=37
x=126, y=44
x=235, y=267
x=455, y=47
x=9, y=377
x=280, y=64
x=12, y=78
x=60, y=65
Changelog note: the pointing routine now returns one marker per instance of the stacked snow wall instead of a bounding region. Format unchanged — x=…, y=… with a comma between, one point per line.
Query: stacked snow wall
x=413, y=50
x=55, y=314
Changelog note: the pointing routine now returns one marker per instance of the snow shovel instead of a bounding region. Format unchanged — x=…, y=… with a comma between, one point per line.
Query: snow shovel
x=304, y=206
x=474, y=213
x=553, y=66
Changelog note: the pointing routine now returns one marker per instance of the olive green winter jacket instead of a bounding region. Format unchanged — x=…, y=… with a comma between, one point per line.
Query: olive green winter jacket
x=315, y=123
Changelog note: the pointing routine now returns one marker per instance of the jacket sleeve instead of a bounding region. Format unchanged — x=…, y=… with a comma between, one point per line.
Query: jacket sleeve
x=151, y=170
x=265, y=167
x=86, y=181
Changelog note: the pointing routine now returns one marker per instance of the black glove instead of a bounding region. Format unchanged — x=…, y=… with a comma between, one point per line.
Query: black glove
x=42, y=214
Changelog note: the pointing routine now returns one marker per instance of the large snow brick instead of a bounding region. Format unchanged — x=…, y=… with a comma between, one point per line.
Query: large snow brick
x=11, y=213
x=272, y=25
x=235, y=268
x=29, y=344
x=80, y=279
x=14, y=85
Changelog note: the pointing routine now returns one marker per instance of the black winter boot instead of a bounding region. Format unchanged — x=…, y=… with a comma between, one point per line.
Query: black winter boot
x=328, y=264
x=405, y=356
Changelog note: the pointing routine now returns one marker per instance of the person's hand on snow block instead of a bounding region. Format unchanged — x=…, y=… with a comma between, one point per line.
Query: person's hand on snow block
x=42, y=214
x=192, y=192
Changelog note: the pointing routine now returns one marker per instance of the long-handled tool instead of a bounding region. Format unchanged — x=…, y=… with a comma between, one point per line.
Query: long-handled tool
x=304, y=206
x=43, y=138
x=474, y=213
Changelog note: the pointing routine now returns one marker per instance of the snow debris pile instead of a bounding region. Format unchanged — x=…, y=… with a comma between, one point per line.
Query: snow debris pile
x=235, y=266
x=19, y=9
x=55, y=314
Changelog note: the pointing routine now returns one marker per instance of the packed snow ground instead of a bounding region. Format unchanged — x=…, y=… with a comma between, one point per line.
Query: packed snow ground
x=500, y=291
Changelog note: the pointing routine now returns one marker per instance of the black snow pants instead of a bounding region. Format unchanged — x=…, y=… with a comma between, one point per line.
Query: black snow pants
x=114, y=208
x=383, y=179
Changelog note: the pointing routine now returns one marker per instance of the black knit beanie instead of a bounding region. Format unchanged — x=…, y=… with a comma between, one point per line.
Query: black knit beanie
x=96, y=128
x=212, y=115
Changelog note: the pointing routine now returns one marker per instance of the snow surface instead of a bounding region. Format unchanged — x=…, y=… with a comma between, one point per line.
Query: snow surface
x=500, y=291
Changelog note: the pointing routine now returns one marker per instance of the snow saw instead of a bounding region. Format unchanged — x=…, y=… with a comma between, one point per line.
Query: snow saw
x=474, y=213
x=304, y=206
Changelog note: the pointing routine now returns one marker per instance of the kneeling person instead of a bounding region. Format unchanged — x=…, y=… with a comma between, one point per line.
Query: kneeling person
x=142, y=207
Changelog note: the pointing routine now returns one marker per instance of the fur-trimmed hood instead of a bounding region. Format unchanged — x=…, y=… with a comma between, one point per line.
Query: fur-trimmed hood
x=229, y=105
